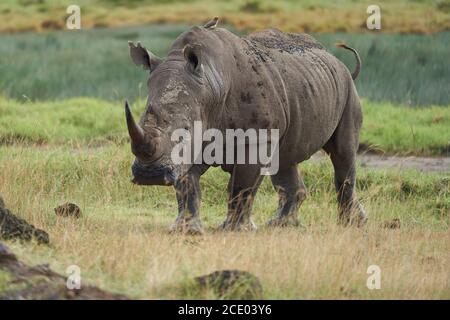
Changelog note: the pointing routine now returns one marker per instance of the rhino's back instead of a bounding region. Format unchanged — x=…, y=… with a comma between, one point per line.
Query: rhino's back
x=277, y=80
x=285, y=42
x=310, y=82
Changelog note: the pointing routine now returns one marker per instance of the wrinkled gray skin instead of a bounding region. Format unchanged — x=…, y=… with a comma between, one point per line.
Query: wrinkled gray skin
x=266, y=80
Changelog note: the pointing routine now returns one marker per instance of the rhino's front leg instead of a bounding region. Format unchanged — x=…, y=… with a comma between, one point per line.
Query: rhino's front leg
x=188, y=196
x=242, y=188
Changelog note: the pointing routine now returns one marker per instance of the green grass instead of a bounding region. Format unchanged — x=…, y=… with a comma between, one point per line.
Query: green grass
x=69, y=64
x=409, y=69
x=87, y=121
x=5, y=277
x=75, y=120
x=405, y=130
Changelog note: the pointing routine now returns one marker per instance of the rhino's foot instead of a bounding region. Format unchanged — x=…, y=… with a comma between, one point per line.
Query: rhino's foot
x=192, y=226
x=277, y=220
x=355, y=217
x=231, y=225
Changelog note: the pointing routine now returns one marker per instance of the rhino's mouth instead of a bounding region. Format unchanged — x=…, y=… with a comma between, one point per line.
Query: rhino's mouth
x=152, y=175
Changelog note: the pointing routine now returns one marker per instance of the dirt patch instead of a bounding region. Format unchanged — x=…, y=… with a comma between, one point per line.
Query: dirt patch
x=42, y=283
x=380, y=161
x=424, y=164
x=12, y=227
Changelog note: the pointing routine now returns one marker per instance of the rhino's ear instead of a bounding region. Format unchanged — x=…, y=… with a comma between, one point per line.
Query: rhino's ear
x=193, y=55
x=211, y=24
x=142, y=57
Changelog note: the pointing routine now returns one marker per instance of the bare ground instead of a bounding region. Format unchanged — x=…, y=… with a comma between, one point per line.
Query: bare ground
x=401, y=163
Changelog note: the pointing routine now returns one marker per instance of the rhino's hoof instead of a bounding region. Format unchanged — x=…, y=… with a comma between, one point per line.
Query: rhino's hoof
x=238, y=226
x=190, y=227
x=355, y=218
x=289, y=220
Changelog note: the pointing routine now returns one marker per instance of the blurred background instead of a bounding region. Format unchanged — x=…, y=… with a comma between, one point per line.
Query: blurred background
x=405, y=61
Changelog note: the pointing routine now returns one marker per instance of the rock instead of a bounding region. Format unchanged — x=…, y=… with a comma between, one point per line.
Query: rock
x=6, y=255
x=392, y=224
x=41, y=283
x=12, y=227
x=68, y=209
x=234, y=284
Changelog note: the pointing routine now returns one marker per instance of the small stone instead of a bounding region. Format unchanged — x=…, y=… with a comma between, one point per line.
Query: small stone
x=68, y=209
x=234, y=284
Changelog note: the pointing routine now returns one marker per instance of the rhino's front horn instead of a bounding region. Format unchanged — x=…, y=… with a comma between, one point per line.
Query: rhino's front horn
x=135, y=131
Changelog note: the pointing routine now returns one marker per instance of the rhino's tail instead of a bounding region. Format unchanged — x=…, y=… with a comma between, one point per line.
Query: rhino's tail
x=358, y=60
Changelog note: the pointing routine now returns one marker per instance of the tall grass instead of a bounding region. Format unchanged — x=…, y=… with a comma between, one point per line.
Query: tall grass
x=410, y=69
x=58, y=65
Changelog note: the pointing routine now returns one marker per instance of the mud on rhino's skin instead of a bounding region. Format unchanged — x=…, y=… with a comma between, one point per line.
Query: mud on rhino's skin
x=265, y=80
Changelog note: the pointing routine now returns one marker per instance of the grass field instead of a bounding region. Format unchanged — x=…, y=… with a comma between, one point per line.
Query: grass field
x=95, y=63
x=394, y=129
x=75, y=150
x=63, y=138
x=122, y=243
x=417, y=16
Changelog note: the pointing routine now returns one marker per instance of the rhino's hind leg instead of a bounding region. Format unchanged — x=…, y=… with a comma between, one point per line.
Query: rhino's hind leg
x=342, y=148
x=292, y=192
x=242, y=188
x=350, y=210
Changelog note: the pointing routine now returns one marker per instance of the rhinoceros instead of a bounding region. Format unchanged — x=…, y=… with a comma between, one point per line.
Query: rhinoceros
x=268, y=79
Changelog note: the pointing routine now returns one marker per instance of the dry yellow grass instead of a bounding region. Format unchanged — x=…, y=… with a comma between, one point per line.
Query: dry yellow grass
x=296, y=16
x=121, y=243
x=323, y=262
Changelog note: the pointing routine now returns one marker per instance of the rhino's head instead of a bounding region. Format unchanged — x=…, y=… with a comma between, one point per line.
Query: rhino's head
x=179, y=94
